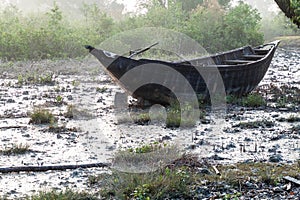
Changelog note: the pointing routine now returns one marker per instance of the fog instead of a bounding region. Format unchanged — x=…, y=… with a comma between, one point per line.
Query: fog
x=116, y=7
x=71, y=8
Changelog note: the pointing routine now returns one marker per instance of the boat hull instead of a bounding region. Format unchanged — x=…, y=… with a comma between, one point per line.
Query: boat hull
x=237, y=72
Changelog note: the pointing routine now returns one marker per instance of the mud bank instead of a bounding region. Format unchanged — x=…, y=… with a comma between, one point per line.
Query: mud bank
x=88, y=130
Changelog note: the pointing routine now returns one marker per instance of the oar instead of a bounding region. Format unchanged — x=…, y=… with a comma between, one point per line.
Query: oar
x=142, y=50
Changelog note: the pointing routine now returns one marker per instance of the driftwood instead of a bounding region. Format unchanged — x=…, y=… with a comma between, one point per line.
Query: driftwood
x=292, y=180
x=11, y=127
x=50, y=167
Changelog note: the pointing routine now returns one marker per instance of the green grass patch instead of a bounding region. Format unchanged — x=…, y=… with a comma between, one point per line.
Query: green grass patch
x=251, y=100
x=32, y=78
x=167, y=182
x=173, y=117
x=145, y=158
x=63, y=195
x=181, y=179
x=16, y=149
x=42, y=116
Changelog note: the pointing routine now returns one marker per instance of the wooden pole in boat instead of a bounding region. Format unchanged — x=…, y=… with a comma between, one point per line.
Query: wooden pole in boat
x=143, y=50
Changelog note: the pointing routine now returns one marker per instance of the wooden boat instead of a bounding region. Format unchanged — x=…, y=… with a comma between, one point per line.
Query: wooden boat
x=241, y=70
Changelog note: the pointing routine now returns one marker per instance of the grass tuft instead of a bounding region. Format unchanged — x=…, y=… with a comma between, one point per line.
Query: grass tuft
x=145, y=158
x=63, y=195
x=251, y=100
x=42, y=116
x=16, y=149
x=256, y=124
x=43, y=79
x=173, y=118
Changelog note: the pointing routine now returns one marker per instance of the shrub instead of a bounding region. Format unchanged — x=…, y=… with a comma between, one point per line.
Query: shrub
x=51, y=35
x=47, y=36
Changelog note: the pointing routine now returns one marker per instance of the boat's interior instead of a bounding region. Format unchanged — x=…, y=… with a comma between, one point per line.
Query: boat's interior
x=244, y=55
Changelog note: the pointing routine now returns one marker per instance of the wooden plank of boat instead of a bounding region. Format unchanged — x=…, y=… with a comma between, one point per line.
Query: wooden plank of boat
x=237, y=61
x=220, y=66
x=261, y=51
x=253, y=56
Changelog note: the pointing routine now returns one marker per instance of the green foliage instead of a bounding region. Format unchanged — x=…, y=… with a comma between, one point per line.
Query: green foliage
x=295, y=6
x=241, y=26
x=59, y=100
x=49, y=35
x=52, y=35
x=218, y=30
x=42, y=116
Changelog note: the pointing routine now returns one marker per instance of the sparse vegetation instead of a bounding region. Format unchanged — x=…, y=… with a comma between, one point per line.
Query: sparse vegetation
x=75, y=112
x=163, y=182
x=63, y=195
x=59, y=100
x=32, y=78
x=42, y=116
x=174, y=118
x=295, y=129
x=291, y=119
x=256, y=124
x=251, y=100
x=61, y=129
x=283, y=96
x=146, y=158
x=101, y=89
x=70, y=111
x=16, y=149
x=181, y=179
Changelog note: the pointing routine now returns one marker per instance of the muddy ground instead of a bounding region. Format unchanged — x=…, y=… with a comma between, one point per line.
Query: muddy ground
x=90, y=132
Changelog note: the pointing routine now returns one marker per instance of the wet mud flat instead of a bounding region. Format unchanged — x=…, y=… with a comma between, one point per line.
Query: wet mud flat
x=88, y=130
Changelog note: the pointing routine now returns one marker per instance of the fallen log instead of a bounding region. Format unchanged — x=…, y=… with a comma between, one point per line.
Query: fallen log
x=11, y=127
x=50, y=167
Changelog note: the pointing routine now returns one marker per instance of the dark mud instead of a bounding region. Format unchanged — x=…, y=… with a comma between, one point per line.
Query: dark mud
x=92, y=131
